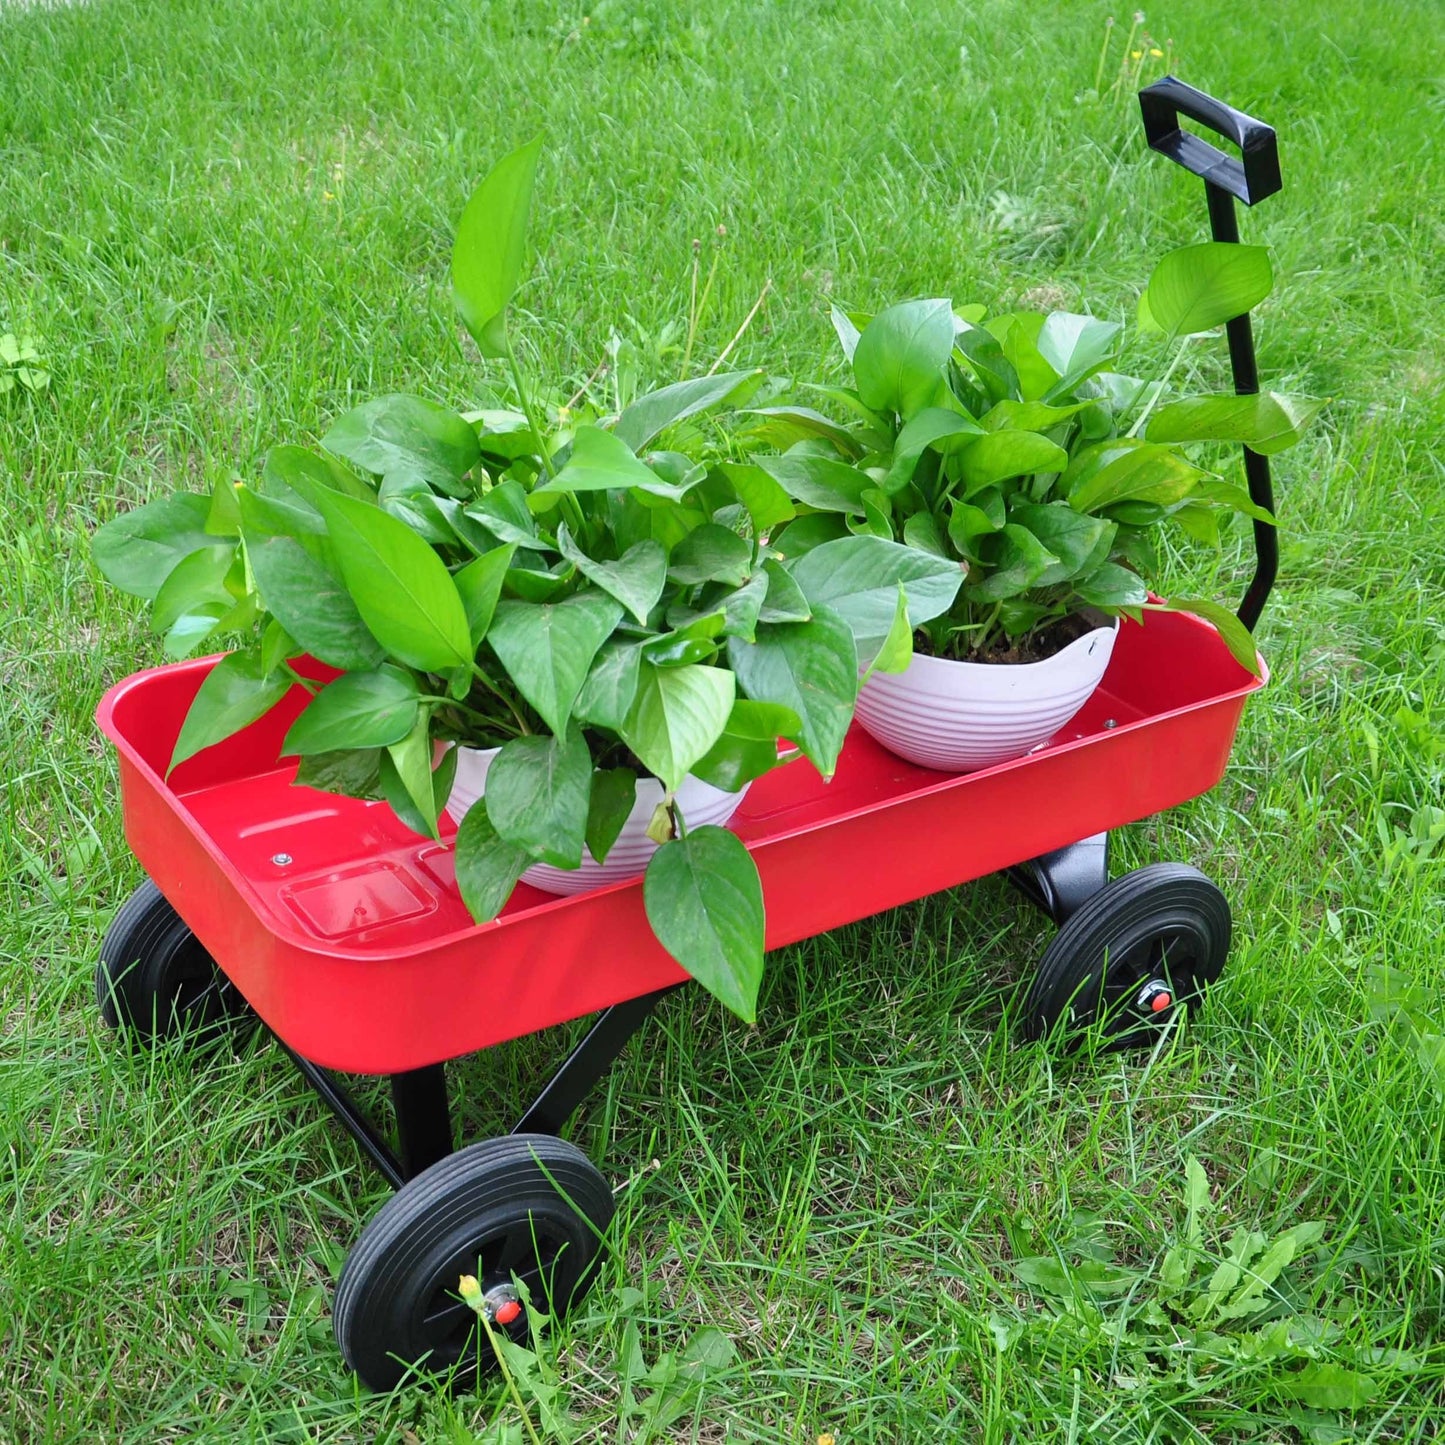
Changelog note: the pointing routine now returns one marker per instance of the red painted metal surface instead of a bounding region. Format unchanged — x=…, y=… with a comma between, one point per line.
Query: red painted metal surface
x=347, y=935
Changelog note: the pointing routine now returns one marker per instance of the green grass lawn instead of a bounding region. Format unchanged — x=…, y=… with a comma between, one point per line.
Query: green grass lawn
x=228, y=223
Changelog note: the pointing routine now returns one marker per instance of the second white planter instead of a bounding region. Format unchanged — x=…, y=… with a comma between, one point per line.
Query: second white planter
x=962, y=716
x=699, y=802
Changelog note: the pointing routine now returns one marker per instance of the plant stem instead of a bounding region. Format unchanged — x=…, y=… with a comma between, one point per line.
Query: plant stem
x=526, y=401
x=747, y=321
x=492, y=687
x=1163, y=387
x=512, y=1389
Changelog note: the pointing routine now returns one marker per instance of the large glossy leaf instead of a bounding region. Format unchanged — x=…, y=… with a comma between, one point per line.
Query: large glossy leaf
x=1073, y=537
x=823, y=482
x=900, y=357
x=1235, y=634
x=487, y=865
x=298, y=471
x=406, y=437
x=705, y=903
x=1022, y=561
x=896, y=651
x=504, y=512
x=711, y=553
x=1112, y=586
x=312, y=604
x=236, y=691
x=764, y=497
x=137, y=550
x=812, y=669
x=601, y=461
x=197, y=581
x=858, y=579
x=1197, y=288
x=479, y=585
x=415, y=790
x=931, y=427
x=488, y=251
x=1266, y=422
x=352, y=773
x=748, y=747
x=606, y=696
x=1028, y=415
x=1003, y=454
x=1075, y=346
x=1018, y=333
x=781, y=426
x=537, y=791
x=678, y=713
x=652, y=414
x=614, y=794
x=1127, y=469
x=547, y=648
x=635, y=579
x=400, y=586
x=357, y=710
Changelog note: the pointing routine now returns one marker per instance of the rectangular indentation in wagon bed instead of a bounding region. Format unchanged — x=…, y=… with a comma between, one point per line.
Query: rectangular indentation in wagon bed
x=356, y=900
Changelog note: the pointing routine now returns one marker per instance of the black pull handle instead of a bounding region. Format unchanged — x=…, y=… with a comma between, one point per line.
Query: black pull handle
x=1226, y=180
x=1250, y=179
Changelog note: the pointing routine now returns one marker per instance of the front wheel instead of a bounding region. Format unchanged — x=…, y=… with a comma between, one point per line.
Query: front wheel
x=154, y=980
x=528, y=1207
x=1126, y=960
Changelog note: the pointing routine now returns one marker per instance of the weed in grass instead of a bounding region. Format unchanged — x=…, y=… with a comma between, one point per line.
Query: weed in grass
x=837, y=1192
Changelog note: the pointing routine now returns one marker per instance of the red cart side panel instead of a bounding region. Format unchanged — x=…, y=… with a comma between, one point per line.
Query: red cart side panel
x=346, y=933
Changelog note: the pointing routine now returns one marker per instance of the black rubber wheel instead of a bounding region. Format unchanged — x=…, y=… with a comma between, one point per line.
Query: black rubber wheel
x=1133, y=953
x=529, y=1205
x=155, y=981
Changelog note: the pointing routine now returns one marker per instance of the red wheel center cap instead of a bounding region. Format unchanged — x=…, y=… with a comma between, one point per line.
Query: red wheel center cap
x=507, y=1311
x=1160, y=1002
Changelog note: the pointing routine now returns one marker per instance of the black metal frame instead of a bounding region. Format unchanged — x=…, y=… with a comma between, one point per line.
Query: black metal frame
x=423, y=1113
x=1058, y=882
x=1250, y=179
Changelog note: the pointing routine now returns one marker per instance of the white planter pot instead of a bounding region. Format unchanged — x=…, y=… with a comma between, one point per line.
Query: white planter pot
x=960, y=716
x=699, y=802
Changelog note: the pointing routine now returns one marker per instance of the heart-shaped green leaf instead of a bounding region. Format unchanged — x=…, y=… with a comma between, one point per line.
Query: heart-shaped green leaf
x=678, y=713
x=858, y=578
x=407, y=437
x=650, y=415
x=614, y=793
x=357, y=710
x=479, y=585
x=537, y=792
x=137, y=550
x=705, y=903
x=1000, y=455
x=489, y=247
x=823, y=482
x=901, y=354
x=1266, y=422
x=547, y=648
x=635, y=579
x=400, y=586
x=1022, y=561
x=487, y=865
x=235, y=692
x=1127, y=469
x=1197, y=288
x=711, y=553
x=312, y=604
x=811, y=668
x=602, y=462
x=929, y=428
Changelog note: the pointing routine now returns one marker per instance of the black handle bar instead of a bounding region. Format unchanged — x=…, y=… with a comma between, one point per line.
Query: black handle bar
x=1250, y=179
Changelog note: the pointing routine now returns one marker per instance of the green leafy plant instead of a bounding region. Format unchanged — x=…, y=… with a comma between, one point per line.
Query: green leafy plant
x=1010, y=447
x=1211, y=1318
x=652, y=1398
x=554, y=584
x=21, y=364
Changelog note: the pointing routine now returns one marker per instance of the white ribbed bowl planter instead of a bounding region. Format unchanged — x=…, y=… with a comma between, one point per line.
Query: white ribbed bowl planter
x=960, y=716
x=699, y=802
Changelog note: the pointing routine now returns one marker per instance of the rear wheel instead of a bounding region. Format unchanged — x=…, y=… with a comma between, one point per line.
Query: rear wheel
x=154, y=980
x=1129, y=957
x=528, y=1207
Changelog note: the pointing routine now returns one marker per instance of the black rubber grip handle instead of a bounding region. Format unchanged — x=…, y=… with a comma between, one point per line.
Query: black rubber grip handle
x=1251, y=179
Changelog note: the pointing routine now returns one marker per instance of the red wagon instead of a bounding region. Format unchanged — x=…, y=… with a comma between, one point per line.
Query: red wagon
x=345, y=932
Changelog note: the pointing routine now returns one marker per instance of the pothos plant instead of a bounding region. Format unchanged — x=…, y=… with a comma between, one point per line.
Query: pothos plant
x=1011, y=446
x=556, y=585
